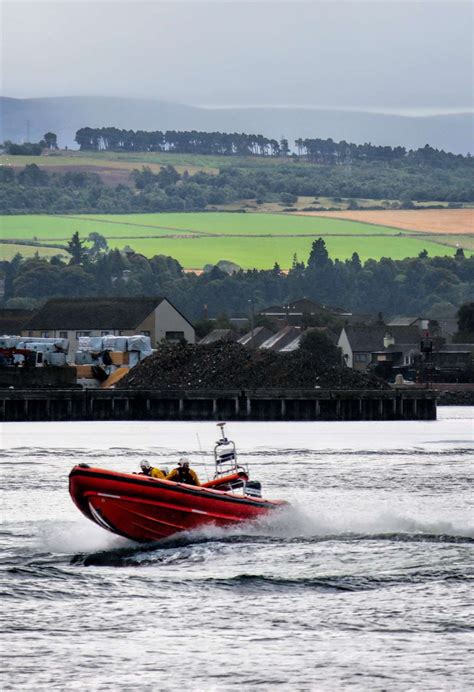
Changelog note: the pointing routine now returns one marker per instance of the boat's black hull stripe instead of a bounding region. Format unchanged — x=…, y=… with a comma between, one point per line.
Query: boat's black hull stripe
x=172, y=488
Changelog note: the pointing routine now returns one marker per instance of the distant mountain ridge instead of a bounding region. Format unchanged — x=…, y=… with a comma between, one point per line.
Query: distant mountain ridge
x=65, y=115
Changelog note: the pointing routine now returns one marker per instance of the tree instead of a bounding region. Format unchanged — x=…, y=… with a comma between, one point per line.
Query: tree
x=99, y=243
x=284, y=147
x=76, y=249
x=465, y=317
x=33, y=175
x=51, y=140
x=318, y=343
x=319, y=256
x=355, y=262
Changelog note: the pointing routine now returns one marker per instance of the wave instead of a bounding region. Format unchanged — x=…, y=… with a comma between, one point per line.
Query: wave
x=308, y=520
x=278, y=455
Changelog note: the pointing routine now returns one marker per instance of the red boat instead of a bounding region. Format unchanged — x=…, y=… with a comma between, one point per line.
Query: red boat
x=148, y=509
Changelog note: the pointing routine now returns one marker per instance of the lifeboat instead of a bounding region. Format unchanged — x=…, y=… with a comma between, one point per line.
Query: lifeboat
x=144, y=509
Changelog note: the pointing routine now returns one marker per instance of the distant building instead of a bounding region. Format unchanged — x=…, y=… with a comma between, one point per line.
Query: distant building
x=282, y=339
x=359, y=343
x=12, y=320
x=218, y=335
x=70, y=318
x=255, y=338
x=293, y=312
x=445, y=328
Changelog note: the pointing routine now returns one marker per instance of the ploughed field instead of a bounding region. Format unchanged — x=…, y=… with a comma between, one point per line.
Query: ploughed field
x=248, y=239
x=431, y=221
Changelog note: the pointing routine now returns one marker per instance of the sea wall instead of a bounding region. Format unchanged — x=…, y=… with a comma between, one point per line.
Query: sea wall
x=258, y=404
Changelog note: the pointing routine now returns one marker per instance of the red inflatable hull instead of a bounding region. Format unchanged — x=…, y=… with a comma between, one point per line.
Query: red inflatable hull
x=148, y=509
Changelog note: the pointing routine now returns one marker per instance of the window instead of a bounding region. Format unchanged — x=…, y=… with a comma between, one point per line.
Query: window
x=361, y=357
x=78, y=334
x=107, y=332
x=44, y=335
x=30, y=333
x=63, y=335
x=145, y=333
x=174, y=336
x=120, y=333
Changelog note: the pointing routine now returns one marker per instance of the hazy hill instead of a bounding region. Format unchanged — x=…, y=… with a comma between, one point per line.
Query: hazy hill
x=64, y=115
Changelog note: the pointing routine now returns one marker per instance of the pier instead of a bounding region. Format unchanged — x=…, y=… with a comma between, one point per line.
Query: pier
x=251, y=405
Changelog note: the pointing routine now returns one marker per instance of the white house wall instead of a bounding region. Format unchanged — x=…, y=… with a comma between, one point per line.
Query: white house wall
x=169, y=320
x=345, y=346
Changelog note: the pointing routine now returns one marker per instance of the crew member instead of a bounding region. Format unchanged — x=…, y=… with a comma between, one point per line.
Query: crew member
x=149, y=470
x=183, y=474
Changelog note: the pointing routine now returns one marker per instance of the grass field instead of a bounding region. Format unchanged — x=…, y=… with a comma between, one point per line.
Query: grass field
x=8, y=251
x=251, y=240
x=29, y=227
x=262, y=253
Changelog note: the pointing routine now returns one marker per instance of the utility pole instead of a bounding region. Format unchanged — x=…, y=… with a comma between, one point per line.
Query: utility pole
x=252, y=316
x=28, y=134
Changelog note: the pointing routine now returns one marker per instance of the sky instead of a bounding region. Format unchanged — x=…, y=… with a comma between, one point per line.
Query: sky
x=404, y=56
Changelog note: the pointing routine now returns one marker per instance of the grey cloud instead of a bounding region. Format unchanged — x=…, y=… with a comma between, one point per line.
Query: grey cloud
x=388, y=55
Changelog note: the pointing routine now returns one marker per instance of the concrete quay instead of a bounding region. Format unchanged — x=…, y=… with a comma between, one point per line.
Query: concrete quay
x=258, y=404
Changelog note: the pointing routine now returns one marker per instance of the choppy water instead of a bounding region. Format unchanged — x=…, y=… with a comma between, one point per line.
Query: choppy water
x=365, y=583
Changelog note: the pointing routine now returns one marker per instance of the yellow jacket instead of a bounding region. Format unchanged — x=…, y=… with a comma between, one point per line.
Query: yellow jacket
x=178, y=476
x=156, y=473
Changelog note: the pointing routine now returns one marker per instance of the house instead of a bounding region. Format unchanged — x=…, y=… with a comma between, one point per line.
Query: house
x=399, y=321
x=12, y=320
x=284, y=337
x=70, y=318
x=359, y=343
x=399, y=357
x=255, y=338
x=218, y=335
x=453, y=357
x=443, y=327
x=294, y=312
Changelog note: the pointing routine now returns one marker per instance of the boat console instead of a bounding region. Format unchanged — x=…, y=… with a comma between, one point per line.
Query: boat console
x=225, y=459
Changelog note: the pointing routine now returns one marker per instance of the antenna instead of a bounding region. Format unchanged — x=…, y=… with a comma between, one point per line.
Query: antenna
x=203, y=458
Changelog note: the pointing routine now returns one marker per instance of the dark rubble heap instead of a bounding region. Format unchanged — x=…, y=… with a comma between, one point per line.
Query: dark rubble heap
x=230, y=366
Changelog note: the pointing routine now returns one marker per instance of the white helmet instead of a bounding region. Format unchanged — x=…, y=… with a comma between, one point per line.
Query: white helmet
x=145, y=465
x=183, y=462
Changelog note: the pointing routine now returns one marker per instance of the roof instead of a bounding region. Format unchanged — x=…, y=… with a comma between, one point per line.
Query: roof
x=93, y=313
x=292, y=346
x=448, y=326
x=281, y=338
x=255, y=338
x=218, y=335
x=304, y=306
x=404, y=335
x=12, y=320
x=406, y=349
x=402, y=321
x=366, y=338
x=456, y=348
x=371, y=338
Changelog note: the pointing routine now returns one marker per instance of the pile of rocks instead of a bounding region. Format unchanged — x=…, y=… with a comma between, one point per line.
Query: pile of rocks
x=231, y=366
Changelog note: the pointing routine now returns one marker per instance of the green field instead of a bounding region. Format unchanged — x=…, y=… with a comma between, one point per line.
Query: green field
x=220, y=223
x=195, y=239
x=8, y=251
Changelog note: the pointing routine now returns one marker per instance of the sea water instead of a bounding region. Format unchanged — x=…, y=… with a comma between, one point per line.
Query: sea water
x=365, y=582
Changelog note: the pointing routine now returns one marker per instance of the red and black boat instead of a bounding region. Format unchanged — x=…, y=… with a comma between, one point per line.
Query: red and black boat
x=148, y=509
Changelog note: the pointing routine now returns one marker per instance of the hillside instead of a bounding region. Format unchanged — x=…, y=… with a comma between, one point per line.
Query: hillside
x=67, y=114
